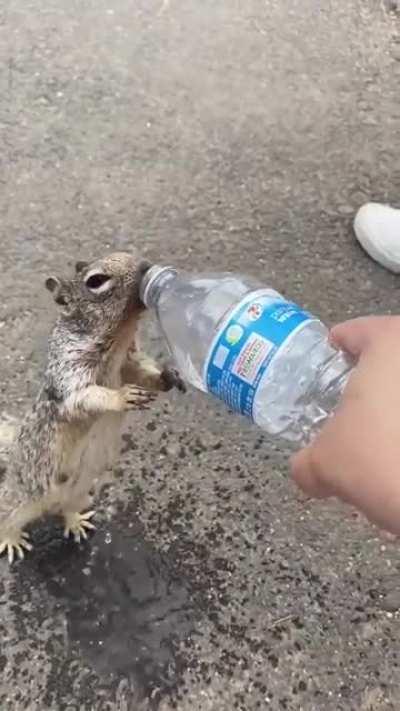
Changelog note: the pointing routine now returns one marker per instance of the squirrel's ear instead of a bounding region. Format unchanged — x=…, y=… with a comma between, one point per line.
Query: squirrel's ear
x=54, y=285
x=80, y=266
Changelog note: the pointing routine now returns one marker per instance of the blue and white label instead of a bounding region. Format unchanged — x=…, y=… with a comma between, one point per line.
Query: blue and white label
x=246, y=344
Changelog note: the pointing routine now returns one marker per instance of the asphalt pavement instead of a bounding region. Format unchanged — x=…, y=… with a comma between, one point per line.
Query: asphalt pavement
x=225, y=135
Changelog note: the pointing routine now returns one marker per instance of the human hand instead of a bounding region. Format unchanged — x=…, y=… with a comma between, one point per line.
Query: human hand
x=356, y=456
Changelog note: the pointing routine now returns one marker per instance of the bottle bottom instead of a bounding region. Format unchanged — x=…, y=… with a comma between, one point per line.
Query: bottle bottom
x=301, y=421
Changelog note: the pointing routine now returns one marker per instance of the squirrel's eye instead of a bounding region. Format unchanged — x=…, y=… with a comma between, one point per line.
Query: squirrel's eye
x=95, y=282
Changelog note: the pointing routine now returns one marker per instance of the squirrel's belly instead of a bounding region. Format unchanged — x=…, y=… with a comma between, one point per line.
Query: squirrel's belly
x=98, y=449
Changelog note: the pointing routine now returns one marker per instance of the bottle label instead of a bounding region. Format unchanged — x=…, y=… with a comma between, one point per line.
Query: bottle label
x=245, y=345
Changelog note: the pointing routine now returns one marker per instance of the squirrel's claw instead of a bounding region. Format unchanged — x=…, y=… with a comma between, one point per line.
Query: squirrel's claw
x=14, y=542
x=78, y=524
x=135, y=397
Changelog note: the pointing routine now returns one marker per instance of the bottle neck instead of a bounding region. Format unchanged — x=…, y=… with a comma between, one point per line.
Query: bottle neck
x=154, y=282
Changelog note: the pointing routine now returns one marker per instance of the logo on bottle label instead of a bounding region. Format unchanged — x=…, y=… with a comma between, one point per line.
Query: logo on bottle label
x=245, y=345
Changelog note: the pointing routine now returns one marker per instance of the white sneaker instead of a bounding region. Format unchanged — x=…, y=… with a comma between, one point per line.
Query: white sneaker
x=377, y=228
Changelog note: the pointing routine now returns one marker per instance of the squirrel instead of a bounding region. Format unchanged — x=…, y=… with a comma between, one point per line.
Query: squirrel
x=95, y=374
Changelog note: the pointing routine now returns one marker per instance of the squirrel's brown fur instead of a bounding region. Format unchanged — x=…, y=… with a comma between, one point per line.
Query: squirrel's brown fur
x=95, y=374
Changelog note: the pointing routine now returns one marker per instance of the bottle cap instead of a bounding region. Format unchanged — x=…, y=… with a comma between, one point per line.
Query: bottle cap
x=152, y=281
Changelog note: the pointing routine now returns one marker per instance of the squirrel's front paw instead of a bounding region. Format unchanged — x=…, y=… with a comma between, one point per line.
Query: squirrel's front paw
x=14, y=541
x=135, y=397
x=170, y=378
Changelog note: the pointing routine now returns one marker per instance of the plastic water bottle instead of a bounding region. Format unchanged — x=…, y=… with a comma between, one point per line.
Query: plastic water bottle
x=263, y=356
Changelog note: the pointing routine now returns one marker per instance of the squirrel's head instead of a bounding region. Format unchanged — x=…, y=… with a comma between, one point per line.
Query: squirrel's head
x=102, y=294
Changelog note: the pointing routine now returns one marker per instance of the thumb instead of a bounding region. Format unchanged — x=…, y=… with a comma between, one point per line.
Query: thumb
x=304, y=471
x=355, y=336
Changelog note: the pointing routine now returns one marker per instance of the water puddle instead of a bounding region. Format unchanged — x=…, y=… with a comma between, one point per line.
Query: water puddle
x=126, y=609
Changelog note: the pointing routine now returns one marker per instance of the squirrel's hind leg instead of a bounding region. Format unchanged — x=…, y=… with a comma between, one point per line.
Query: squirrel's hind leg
x=76, y=513
x=78, y=524
x=13, y=539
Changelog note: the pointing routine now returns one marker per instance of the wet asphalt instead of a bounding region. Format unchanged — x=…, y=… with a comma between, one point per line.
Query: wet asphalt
x=232, y=135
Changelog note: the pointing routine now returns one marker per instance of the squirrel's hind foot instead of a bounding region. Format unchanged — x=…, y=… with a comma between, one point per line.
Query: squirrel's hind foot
x=14, y=541
x=78, y=524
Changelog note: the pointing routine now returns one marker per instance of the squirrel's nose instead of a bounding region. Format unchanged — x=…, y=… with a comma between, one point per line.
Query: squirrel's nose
x=144, y=267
